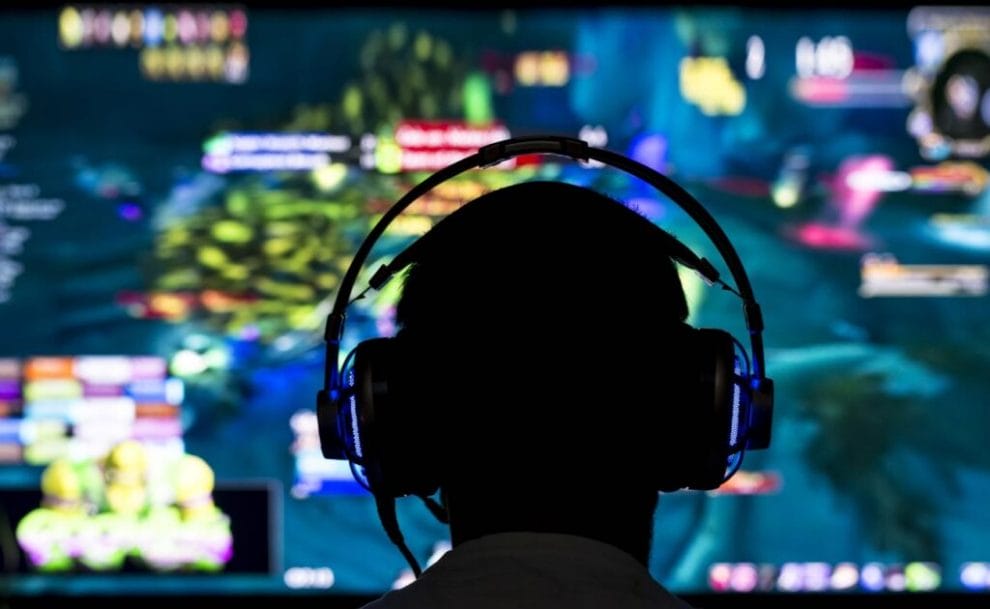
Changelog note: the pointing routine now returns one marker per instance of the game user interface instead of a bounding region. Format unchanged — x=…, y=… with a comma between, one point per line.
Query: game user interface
x=182, y=187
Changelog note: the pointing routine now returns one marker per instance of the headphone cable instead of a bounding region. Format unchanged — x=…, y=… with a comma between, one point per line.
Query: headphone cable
x=439, y=512
x=390, y=522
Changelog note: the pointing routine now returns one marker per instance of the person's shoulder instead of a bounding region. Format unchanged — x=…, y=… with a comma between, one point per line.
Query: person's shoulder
x=389, y=600
x=411, y=596
x=396, y=600
x=677, y=602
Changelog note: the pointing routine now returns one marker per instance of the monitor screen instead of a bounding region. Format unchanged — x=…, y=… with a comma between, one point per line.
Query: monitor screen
x=182, y=187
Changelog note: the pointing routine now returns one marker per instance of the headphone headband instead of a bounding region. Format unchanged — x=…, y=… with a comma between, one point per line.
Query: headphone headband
x=578, y=150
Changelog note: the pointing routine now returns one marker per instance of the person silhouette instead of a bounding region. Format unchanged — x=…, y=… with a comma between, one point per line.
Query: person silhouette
x=544, y=382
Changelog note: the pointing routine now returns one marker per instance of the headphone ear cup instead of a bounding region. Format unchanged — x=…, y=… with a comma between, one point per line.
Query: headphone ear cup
x=386, y=437
x=722, y=386
x=698, y=457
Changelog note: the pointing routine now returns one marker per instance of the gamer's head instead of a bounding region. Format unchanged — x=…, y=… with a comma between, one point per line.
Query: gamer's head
x=543, y=325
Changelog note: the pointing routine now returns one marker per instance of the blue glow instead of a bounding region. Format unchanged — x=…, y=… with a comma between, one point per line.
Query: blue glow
x=736, y=395
x=355, y=434
x=361, y=475
x=130, y=211
x=650, y=150
x=154, y=27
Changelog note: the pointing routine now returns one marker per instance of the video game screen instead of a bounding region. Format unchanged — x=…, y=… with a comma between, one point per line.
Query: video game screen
x=182, y=187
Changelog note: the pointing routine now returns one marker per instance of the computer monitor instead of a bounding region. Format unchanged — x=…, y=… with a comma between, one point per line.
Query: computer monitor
x=183, y=185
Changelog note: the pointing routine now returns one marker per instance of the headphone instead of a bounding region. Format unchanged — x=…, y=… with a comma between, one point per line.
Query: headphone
x=355, y=407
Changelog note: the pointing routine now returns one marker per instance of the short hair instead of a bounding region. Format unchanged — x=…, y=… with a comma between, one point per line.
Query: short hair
x=540, y=317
